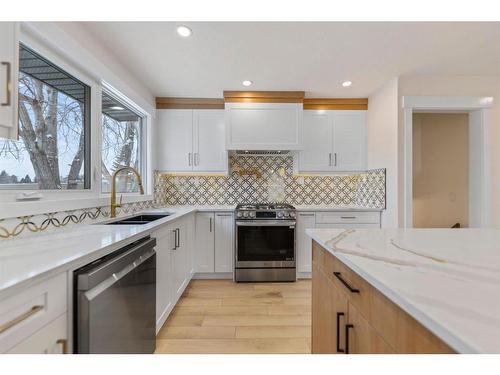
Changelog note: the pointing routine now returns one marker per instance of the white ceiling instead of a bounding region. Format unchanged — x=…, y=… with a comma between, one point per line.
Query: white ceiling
x=315, y=57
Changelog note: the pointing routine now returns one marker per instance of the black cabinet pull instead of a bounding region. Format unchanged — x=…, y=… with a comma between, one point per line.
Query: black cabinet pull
x=178, y=238
x=175, y=239
x=351, y=289
x=347, y=326
x=339, y=314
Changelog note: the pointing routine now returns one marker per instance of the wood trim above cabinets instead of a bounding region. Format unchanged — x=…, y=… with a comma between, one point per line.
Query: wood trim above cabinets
x=189, y=103
x=339, y=104
x=264, y=96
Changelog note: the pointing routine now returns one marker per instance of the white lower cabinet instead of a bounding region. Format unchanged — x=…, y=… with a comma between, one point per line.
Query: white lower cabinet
x=327, y=219
x=51, y=339
x=305, y=220
x=224, y=244
x=214, y=243
x=174, y=264
x=204, y=243
x=35, y=319
x=164, y=301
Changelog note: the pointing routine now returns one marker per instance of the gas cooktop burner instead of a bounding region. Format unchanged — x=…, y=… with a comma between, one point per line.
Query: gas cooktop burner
x=265, y=211
x=265, y=206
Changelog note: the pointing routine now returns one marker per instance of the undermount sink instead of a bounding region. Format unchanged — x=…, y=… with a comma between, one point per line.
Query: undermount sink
x=139, y=219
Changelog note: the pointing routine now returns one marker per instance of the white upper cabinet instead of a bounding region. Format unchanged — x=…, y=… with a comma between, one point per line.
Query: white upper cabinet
x=175, y=140
x=318, y=142
x=191, y=140
x=334, y=141
x=9, y=57
x=209, y=142
x=263, y=126
x=349, y=140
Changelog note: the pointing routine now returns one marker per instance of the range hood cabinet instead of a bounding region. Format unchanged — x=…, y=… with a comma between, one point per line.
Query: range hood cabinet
x=263, y=126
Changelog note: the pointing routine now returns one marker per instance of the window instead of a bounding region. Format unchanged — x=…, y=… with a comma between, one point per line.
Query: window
x=122, y=138
x=53, y=151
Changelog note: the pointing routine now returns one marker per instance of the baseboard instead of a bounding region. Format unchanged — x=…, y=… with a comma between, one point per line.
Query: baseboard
x=213, y=276
x=304, y=275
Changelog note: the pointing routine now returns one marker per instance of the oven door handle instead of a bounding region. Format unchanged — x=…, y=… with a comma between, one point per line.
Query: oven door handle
x=267, y=223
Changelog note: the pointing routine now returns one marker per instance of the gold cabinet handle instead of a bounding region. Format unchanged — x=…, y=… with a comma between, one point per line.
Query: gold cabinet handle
x=8, y=84
x=4, y=327
x=64, y=345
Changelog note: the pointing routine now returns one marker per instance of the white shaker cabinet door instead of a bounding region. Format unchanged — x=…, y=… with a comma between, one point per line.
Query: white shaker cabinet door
x=205, y=237
x=164, y=245
x=180, y=260
x=349, y=140
x=9, y=57
x=263, y=126
x=317, y=153
x=51, y=339
x=210, y=153
x=175, y=140
x=305, y=220
x=224, y=242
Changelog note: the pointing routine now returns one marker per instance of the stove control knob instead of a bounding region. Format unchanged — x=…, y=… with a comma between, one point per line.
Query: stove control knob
x=280, y=215
x=286, y=214
x=245, y=214
x=292, y=215
x=240, y=214
x=252, y=214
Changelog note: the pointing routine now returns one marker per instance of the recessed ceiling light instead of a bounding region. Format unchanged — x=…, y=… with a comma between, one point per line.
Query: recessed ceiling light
x=347, y=83
x=247, y=83
x=117, y=108
x=184, y=31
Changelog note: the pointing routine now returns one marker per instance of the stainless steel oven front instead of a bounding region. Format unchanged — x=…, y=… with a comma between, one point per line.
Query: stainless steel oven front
x=265, y=250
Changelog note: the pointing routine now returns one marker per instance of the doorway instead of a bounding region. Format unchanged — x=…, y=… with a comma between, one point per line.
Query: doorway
x=477, y=110
x=440, y=170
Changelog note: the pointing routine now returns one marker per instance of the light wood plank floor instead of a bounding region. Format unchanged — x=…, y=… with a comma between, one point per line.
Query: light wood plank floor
x=220, y=316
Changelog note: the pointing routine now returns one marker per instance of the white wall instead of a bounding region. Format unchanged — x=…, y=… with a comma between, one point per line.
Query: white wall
x=462, y=86
x=382, y=125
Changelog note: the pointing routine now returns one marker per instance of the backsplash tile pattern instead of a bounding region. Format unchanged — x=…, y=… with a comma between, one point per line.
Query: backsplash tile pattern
x=272, y=181
x=24, y=225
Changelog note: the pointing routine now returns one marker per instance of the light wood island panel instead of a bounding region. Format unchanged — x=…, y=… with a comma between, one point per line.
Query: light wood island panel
x=350, y=316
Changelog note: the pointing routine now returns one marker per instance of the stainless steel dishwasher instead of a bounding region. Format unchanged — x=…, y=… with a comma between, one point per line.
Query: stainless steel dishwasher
x=115, y=301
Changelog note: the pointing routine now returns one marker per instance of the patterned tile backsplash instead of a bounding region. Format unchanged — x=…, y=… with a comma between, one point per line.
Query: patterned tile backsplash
x=255, y=178
x=251, y=179
x=25, y=225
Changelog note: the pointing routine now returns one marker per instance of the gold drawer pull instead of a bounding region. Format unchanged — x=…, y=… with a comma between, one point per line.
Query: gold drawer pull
x=64, y=345
x=20, y=318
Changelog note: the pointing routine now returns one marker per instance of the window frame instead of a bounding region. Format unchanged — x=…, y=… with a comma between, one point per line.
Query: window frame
x=60, y=62
x=87, y=126
x=67, y=200
x=143, y=138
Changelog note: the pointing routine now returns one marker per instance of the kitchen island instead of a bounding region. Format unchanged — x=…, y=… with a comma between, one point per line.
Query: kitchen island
x=406, y=291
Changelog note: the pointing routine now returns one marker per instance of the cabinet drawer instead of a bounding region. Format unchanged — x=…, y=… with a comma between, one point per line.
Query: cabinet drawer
x=51, y=339
x=28, y=311
x=347, y=217
x=358, y=291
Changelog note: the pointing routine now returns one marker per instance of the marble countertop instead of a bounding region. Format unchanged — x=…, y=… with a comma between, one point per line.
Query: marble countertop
x=24, y=261
x=27, y=259
x=447, y=279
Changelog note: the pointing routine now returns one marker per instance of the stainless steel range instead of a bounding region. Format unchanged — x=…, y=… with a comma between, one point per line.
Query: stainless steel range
x=265, y=242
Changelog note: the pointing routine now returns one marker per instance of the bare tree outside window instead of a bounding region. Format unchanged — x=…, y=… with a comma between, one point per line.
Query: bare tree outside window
x=121, y=143
x=51, y=148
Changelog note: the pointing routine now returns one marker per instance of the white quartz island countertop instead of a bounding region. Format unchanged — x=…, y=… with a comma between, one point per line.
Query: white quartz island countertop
x=447, y=279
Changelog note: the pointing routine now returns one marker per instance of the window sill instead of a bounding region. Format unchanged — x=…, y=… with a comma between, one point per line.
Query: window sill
x=26, y=208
